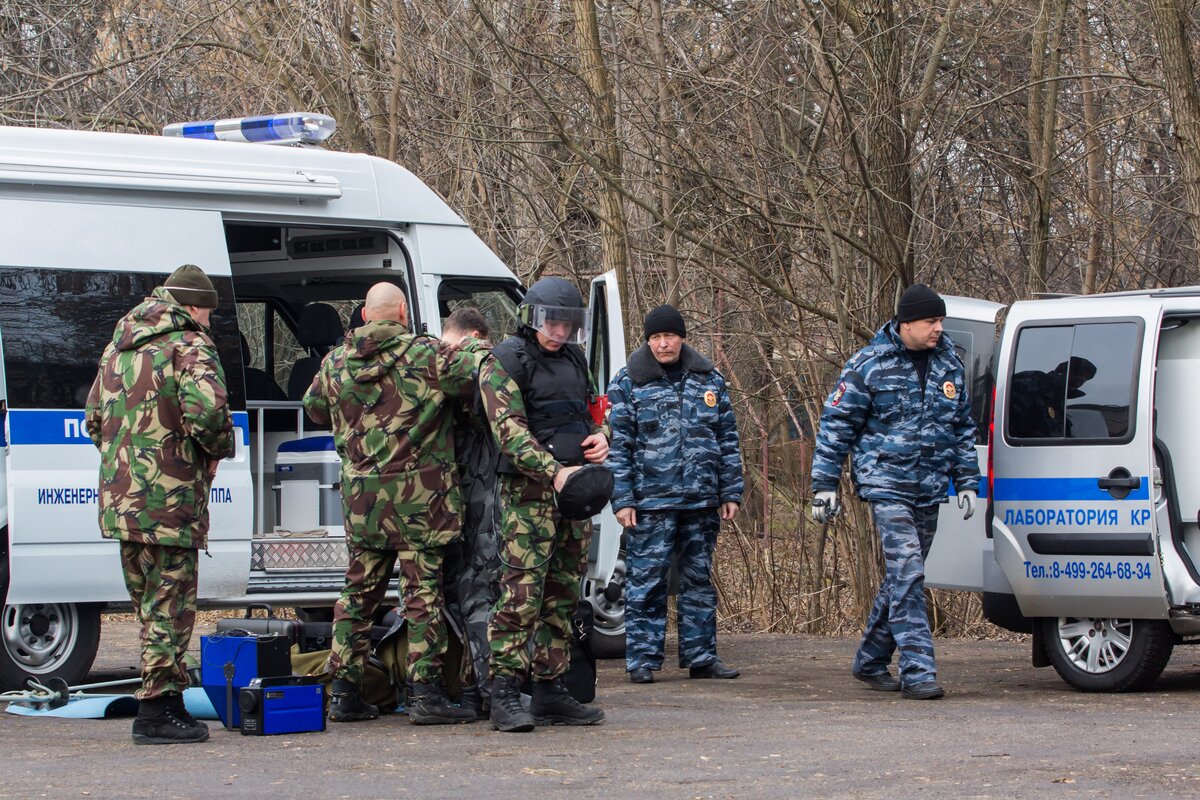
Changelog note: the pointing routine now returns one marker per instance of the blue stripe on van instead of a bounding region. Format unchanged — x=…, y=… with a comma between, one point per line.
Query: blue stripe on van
x=66, y=427
x=1034, y=489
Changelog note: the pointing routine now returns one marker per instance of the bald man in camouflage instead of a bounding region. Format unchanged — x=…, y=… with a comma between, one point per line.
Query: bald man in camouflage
x=158, y=413
x=384, y=390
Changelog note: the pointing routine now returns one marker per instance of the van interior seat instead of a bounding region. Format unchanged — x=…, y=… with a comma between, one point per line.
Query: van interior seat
x=320, y=329
x=259, y=385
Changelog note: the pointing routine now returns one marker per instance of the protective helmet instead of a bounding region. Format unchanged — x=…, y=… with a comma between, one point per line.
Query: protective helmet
x=554, y=307
x=586, y=492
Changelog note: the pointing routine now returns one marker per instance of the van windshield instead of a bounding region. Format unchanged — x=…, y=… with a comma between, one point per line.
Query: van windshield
x=496, y=300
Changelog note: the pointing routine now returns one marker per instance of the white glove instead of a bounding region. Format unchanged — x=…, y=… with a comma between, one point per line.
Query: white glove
x=966, y=501
x=825, y=507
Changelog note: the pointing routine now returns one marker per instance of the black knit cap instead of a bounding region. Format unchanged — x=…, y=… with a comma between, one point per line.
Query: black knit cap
x=665, y=319
x=919, y=302
x=189, y=286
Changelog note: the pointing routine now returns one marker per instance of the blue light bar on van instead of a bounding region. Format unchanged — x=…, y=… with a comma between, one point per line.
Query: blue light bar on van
x=294, y=128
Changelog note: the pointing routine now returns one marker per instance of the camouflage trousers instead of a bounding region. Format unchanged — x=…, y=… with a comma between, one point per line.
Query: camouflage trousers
x=367, y=578
x=162, y=587
x=691, y=536
x=543, y=558
x=899, y=619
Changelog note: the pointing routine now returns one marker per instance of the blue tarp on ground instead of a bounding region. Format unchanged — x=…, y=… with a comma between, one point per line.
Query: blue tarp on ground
x=107, y=706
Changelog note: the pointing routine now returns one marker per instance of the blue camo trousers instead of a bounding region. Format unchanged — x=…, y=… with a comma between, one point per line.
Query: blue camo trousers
x=899, y=619
x=692, y=535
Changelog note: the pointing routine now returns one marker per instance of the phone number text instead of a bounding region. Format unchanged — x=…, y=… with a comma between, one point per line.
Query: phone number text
x=1090, y=570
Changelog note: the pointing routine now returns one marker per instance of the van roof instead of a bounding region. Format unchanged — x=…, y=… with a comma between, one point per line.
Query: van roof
x=971, y=308
x=259, y=181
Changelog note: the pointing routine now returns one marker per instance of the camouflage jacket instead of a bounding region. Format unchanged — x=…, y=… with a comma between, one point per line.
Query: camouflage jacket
x=158, y=413
x=906, y=444
x=505, y=410
x=384, y=390
x=675, y=446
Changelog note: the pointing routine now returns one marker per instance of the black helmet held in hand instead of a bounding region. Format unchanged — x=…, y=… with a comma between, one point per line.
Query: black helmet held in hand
x=585, y=492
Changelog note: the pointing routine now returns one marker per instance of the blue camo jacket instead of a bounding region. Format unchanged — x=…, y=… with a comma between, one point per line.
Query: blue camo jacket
x=903, y=447
x=673, y=447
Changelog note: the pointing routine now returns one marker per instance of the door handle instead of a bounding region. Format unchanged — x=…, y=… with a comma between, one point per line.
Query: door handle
x=1119, y=483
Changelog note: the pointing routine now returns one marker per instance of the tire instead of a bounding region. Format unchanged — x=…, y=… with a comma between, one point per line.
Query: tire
x=1107, y=655
x=608, y=604
x=47, y=640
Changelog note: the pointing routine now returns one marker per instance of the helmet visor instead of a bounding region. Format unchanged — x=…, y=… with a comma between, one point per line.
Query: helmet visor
x=561, y=324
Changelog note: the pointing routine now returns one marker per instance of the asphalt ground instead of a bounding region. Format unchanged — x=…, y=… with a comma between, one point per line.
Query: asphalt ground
x=794, y=725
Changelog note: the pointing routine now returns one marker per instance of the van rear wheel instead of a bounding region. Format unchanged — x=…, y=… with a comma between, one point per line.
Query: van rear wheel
x=47, y=640
x=1103, y=654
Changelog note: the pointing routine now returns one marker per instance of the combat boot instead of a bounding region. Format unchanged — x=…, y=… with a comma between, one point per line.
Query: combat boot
x=472, y=698
x=159, y=723
x=553, y=705
x=347, y=705
x=176, y=704
x=508, y=715
x=428, y=705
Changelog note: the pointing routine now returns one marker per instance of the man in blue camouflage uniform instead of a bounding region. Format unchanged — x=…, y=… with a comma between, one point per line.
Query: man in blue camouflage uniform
x=900, y=408
x=677, y=472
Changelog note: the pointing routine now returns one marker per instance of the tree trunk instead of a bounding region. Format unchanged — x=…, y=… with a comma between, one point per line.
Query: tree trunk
x=1173, y=47
x=1041, y=120
x=606, y=150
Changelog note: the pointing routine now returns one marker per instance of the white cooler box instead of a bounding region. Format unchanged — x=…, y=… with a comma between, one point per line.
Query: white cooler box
x=307, y=489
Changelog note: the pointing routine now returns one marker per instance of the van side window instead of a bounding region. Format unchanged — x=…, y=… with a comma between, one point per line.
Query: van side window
x=974, y=341
x=56, y=323
x=1074, y=382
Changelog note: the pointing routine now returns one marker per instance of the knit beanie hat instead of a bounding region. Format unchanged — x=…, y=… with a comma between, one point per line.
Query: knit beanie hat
x=189, y=286
x=665, y=319
x=919, y=302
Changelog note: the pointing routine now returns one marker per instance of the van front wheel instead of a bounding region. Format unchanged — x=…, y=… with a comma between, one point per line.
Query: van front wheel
x=47, y=640
x=1097, y=654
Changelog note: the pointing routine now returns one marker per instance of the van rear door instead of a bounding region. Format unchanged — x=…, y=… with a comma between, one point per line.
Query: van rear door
x=1073, y=526
x=606, y=356
x=67, y=273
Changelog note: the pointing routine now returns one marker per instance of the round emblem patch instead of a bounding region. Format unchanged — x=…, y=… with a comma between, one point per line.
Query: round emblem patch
x=949, y=390
x=710, y=398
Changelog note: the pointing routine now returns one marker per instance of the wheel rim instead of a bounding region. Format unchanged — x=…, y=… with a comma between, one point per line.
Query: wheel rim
x=39, y=637
x=610, y=614
x=1095, y=645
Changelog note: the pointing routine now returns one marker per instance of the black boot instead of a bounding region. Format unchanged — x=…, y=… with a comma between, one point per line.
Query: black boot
x=158, y=723
x=472, y=698
x=347, y=705
x=508, y=715
x=714, y=670
x=176, y=704
x=428, y=705
x=553, y=705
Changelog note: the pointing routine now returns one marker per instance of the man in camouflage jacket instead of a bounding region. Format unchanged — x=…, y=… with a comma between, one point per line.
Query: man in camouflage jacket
x=677, y=470
x=543, y=555
x=900, y=409
x=384, y=390
x=158, y=413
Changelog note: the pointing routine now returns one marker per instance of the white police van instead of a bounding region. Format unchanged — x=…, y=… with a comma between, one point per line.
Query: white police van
x=292, y=237
x=1090, y=540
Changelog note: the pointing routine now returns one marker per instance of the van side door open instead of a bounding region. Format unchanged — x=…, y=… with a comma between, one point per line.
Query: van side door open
x=1073, y=463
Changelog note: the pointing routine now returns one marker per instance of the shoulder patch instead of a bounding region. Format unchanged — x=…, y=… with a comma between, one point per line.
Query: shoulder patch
x=838, y=393
x=710, y=398
x=950, y=390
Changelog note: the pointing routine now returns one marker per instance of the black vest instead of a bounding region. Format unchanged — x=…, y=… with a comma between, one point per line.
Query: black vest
x=556, y=391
